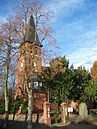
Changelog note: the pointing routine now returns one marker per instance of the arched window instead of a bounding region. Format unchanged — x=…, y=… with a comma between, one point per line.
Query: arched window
x=36, y=51
x=35, y=64
x=22, y=64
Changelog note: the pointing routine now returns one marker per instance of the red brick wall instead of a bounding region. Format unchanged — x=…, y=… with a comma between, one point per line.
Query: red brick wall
x=39, y=98
x=33, y=54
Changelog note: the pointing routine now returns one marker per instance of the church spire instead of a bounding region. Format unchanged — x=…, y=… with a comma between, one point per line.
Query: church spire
x=30, y=33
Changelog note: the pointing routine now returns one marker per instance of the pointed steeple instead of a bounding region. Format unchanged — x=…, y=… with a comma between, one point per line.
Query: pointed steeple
x=30, y=33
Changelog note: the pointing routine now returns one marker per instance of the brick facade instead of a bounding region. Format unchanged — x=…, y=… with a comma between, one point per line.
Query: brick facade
x=28, y=61
x=29, y=65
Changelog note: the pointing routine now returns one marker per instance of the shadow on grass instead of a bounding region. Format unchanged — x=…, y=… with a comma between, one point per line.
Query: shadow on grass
x=23, y=125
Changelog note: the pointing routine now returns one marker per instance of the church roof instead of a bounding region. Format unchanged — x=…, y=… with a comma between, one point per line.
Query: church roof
x=30, y=33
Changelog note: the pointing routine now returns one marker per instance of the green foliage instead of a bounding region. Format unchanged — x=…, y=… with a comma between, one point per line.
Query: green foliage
x=90, y=92
x=68, y=82
x=25, y=105
x=2, y=106
x=79, y=79
x=14, y=107
x=93, y=112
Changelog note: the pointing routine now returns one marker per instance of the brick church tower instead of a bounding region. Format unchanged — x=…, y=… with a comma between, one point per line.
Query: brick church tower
x=29, y=60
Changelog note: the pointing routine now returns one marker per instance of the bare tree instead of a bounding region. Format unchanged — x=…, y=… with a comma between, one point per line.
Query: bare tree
x=8, y=48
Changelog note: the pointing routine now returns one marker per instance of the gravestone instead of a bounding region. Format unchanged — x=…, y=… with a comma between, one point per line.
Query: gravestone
x=83, y=111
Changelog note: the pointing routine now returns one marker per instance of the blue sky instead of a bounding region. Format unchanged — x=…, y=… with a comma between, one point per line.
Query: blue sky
x=75, y=25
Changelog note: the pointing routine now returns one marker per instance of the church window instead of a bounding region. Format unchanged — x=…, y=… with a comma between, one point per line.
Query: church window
x=40, y=84
x=36, y=52
x=30, y=51
x=23, y=51
x=21, y=64
x=30, y=47
x=36, y=71
x=36, y=84
x=27, y=51
x=34, y=64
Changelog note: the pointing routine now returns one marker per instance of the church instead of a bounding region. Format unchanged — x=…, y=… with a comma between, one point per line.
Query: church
x=29, y=67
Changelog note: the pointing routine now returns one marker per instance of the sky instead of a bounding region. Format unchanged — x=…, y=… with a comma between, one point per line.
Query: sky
x=75, y=26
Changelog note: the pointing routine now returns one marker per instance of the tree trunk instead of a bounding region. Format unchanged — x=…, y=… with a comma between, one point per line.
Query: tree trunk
x=6, y=85
x=29, y=126
x=6, y=106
